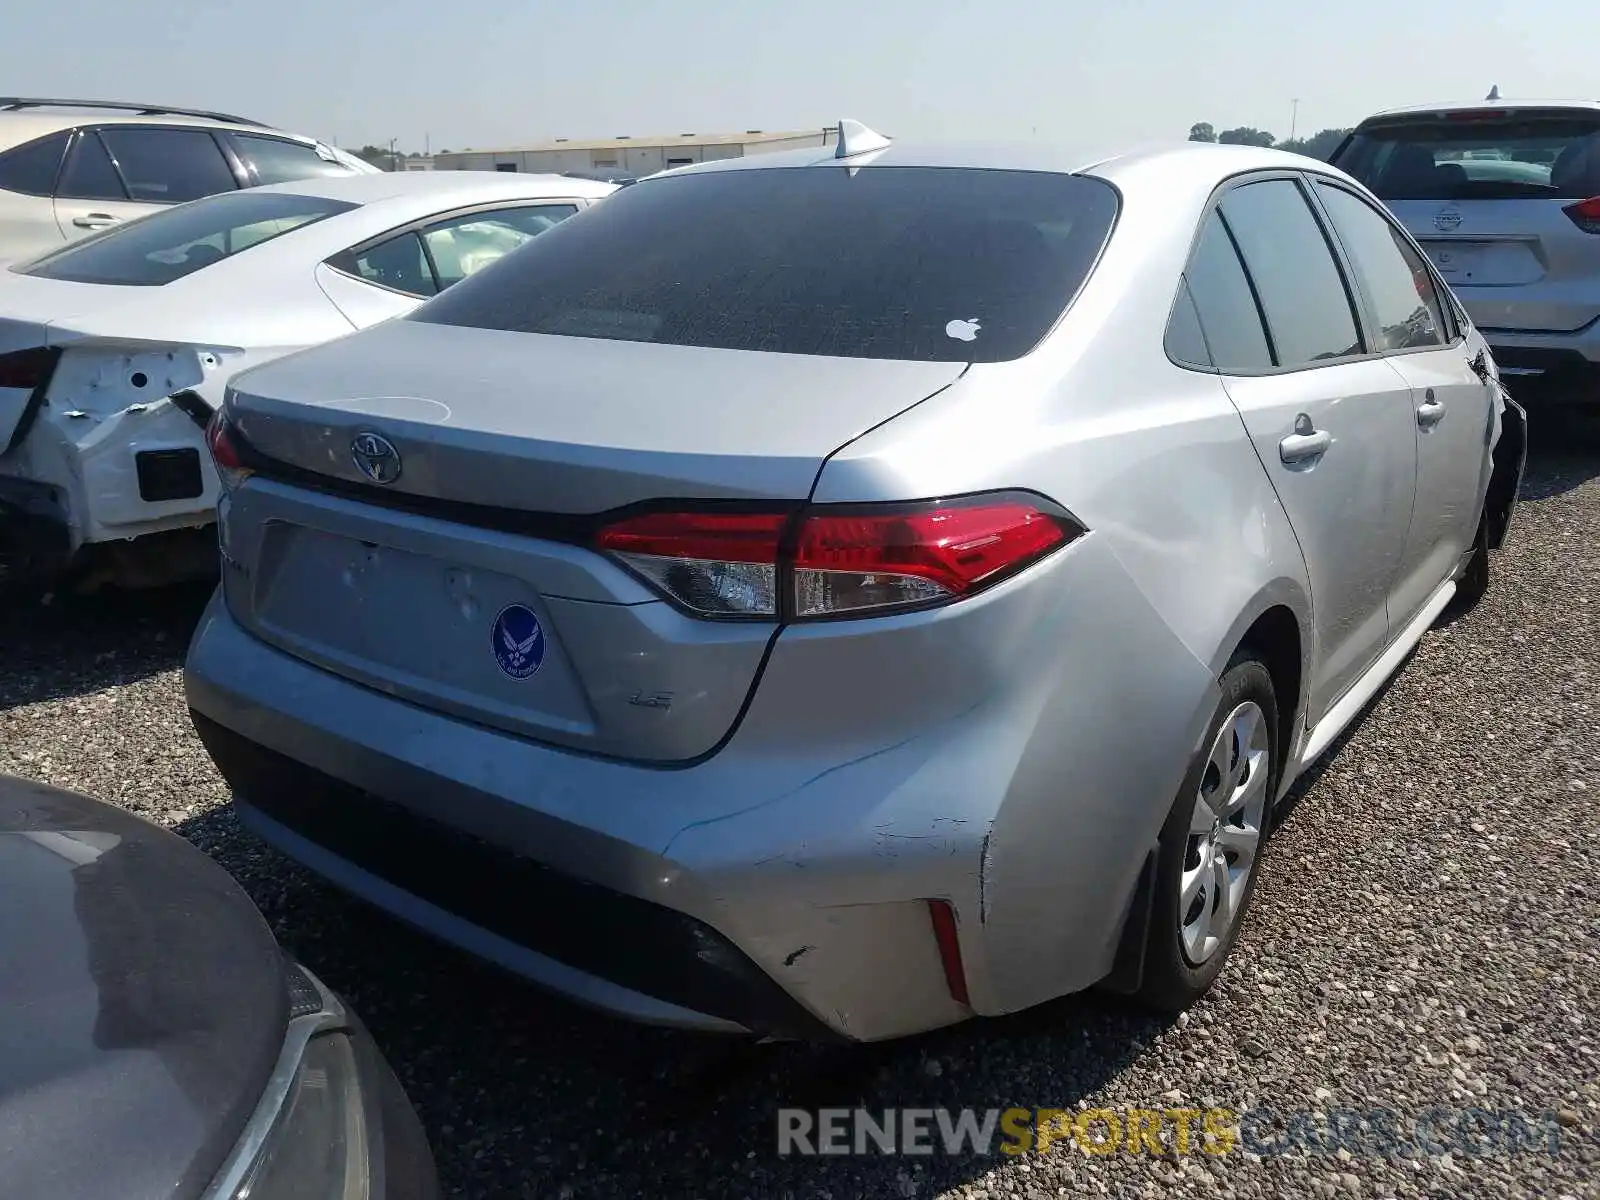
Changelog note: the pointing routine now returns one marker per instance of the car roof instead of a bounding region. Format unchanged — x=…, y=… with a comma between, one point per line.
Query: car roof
x=449, y=187
x=23, y=125
x=1428, y=110
x=1056, y=157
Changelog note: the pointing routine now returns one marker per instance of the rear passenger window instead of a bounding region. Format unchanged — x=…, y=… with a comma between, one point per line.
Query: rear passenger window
x=31, y=168
x=398, y=263
x=1224, y=306
x=1393, y=277
x=1186, y=343
x=169, y=166
x=89, y=174
x=1302, y=292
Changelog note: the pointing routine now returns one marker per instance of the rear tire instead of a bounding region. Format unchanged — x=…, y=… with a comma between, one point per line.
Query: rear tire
x=1210, y=849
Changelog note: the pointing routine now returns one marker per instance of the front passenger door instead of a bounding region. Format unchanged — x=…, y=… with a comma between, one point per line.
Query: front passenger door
x=1331, y=424
x=1454, y=409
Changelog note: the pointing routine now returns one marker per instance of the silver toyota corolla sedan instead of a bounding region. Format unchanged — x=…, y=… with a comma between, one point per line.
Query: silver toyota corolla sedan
x=840, y=593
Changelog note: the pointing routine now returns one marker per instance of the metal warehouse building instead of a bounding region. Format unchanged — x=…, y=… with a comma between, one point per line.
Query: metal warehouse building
x=638, y=156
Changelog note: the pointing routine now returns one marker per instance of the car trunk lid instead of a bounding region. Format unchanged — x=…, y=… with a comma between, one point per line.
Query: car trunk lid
x=466, y=583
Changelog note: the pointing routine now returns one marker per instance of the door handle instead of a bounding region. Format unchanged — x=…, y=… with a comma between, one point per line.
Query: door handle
x=1306, y=442
x=1430, y=412
x=95, y=220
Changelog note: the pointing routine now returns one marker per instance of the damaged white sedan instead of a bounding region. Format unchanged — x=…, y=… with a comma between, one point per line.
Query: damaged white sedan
x=115, y=350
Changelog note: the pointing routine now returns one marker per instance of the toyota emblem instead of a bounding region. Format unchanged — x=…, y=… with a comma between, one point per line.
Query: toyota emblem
x=375, y=457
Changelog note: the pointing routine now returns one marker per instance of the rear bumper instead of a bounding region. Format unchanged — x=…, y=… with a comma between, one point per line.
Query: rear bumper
x=780, y=886
x=35, y=540
x=588, y=876
x=612, y=950
x=1549, y=367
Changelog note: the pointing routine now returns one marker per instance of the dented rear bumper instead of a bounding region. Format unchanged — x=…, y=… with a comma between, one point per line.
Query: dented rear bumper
x=783, y=884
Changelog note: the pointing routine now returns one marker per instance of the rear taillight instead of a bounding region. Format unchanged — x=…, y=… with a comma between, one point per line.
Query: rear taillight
x=223, y=442
x=715, y=564
x=837, y=561
x=26, y=369
x=1585, y=214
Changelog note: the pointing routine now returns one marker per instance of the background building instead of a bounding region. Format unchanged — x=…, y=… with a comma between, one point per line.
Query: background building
x=637, y=156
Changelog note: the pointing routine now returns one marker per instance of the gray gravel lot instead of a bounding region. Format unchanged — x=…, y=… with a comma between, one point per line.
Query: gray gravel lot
x=1427, y=934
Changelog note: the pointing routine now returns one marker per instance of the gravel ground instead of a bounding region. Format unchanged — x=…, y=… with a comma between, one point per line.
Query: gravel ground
x=1427, y=934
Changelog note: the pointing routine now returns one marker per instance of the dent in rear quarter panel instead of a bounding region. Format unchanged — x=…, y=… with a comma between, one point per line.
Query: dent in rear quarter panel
x=1189, y=545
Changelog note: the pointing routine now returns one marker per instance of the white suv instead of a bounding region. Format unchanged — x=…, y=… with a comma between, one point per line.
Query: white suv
x=70, y=167
x=1504, y=195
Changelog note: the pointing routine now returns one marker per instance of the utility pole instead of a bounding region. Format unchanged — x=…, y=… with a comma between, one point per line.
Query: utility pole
x=394, y=157
x=1294, y=117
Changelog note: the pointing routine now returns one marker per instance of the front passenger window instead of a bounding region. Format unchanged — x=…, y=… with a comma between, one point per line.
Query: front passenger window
x=1393, y=276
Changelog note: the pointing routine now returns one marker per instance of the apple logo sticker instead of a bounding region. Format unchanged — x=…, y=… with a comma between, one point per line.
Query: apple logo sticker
x=963, y=331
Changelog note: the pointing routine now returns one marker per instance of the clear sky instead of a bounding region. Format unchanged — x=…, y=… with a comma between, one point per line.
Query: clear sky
x=492, y=72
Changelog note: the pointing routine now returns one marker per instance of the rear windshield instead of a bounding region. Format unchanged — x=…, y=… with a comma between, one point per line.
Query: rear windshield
x=934, y=264
x=179, y=241
x=1479, y=157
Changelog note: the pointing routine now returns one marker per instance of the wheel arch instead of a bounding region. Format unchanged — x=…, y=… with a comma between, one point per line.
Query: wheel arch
x=1508, y=461
x=1276, y=629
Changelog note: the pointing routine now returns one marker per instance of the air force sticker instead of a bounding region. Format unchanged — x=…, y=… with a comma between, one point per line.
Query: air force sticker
x=517, y=640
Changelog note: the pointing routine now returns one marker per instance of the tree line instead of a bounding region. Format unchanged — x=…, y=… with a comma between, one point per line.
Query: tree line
x=1319, y=145
x=379, y=156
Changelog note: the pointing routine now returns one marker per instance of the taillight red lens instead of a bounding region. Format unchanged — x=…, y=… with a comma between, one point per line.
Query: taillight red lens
x=844, y=562
x=25, y=368
x=220, y=440
x=1585, y=214
x=896, y=559
x=724, y=537
x=713, y=563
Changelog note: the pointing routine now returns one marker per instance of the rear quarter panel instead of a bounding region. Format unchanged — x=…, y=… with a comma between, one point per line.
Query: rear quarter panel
x=1155, y=462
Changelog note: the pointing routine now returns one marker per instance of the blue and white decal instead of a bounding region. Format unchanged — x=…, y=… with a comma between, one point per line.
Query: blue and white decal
x=517, y=640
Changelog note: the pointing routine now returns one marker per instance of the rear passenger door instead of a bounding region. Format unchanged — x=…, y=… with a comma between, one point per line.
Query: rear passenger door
x=89, y=193
x=1331, y=423
x=1453, y=407
x=116, y=173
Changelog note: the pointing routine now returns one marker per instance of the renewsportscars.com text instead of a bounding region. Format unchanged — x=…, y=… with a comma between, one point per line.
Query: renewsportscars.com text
x=1376, y=1132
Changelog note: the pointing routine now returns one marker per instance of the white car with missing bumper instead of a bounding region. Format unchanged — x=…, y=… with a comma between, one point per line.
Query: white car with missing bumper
x=115, y=350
